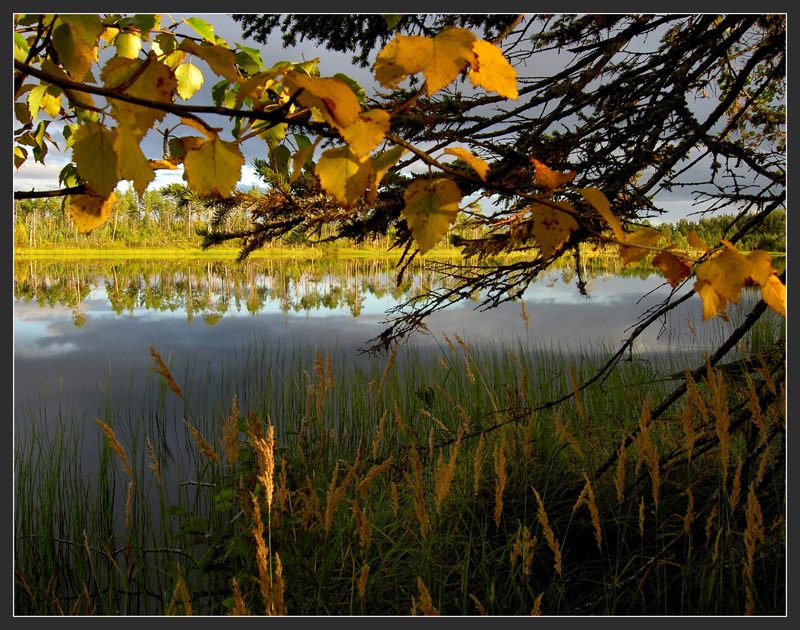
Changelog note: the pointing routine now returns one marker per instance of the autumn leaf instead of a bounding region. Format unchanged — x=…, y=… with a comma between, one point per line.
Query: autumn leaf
x=214, y=168
x=44, y=96
x=551, y=227
x=480, y=166
x=189, y=78
x=636, y=244
x=367, y=132
x=380, y=165
x=773, y=292
x=726, y=272
x=254, y=86
x=75, y=39
x=128, y=45
x=431, y=205
x=761, y=266
x=696, y=242
x=600, y=203
x=155, y=83
x=300, y=157
x=491, y=70
x=440, y=59
x=674, y=269
x=221, y=60
x=333, y=98
x=90, y=211
x=133, y=165
x=343, y=175
x=95, y=158
x=713, y=303
x=548, y=178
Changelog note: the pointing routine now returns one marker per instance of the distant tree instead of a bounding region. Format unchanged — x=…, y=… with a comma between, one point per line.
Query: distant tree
x=565, y=128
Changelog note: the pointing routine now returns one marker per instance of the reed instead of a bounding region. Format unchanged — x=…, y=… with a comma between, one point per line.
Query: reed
x=350, y=485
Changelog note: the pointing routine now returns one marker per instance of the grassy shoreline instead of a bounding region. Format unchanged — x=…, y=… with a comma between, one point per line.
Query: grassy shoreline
x=436, y=484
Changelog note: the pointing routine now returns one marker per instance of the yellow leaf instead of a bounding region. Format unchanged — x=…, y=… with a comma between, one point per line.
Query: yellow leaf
x=95, y=158
x=90, y=211
x=82, y=99
x=551, y=227
x=214, y=168
x=221, y=60
x=726, y=272
x=480, y=166
x=300, y=158
x=133, y=165
x=548, y=178
x=367, y=132
x=713, y=303
x=189, y=78
x=380, y=165
x=254, y=86
x=343, y=175
x=600, y=203
x=156, y=83
x=696, y=242
x=431, y=205
x=773, y=292
x=491, y=70
x=333, y=98
x=761, y=268
x=638, y=240
x=387, y=71
x=162, y=164
x=128, y=45
x=674, y=269
x=75, y=39
x=440, y=59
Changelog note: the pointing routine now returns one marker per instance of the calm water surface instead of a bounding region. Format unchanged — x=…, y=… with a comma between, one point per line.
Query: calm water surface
x=82, y=329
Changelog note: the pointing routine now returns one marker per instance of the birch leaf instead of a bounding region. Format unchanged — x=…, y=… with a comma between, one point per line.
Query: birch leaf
x=551, y=227
x=221, y=60
x=645, y=237
x=674, y=269
x=133, y=165
x=367, y=132
x=214, y=168
x=479, y=165
x=548, y=178
x=491, y=70
x=95, y=158
x=189, y=78
x=600, y=203
x=333, y=98
x=431, y=205
x=90, y=211
x=726, y=272
x=343, y=174
x=713, y=303
x=773, y=292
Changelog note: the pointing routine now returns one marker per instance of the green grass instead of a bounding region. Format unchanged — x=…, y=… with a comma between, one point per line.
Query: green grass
x=699, y=535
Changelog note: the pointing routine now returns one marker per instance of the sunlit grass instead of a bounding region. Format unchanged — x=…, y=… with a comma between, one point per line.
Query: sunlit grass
x=439, y=481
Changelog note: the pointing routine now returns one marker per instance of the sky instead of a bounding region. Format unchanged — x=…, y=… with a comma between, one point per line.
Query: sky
x=33, y=175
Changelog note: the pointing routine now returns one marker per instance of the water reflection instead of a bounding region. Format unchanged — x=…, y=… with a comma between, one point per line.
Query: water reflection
x=83, y=327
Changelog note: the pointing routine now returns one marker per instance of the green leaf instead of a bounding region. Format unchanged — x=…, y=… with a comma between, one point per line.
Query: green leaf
x=75, y=39
x=202, y=28
x=128, y=45
x=391, y=19
x=431, y=206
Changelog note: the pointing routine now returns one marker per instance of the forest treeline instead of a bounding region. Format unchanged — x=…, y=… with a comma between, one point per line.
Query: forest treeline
x=158, y=220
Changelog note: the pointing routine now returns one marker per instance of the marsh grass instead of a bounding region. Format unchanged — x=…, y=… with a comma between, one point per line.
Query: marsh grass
x=434, y=482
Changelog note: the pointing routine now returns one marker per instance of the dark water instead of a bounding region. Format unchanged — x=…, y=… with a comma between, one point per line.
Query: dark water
x=82, y=330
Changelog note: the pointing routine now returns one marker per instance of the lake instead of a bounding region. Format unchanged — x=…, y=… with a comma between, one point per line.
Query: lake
x=82, y=328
